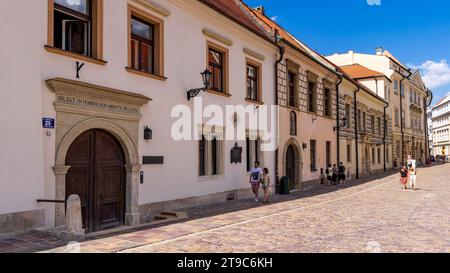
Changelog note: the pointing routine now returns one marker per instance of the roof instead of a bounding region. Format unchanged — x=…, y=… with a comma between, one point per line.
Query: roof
x=357, y=71
x=270, y=26
x=389, y=55
x=233, y=10
x=442, y=101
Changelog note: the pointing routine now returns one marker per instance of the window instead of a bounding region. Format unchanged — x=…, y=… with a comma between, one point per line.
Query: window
x=142, y=46
x=328, y=153
x=253, y=81
x=312, y=149
x=347, y=115
x=349, y=153
x=218, y=65
x=311, y=97
x=74, y=27
x=202, y=156
x=411, y=99
x=372, y=121
x=402, y=90
x=210, y=156
x=379, y=126
x=403, y=118
x=292, y=89
x=253, y=152
x=145, y=44
x=359, y=120
x=379, y=155
x=364, y=122
x=293, y=123
x=396, y=87
x=397, y=117
x=415, y=97
x=327, y=102
x=373, y=156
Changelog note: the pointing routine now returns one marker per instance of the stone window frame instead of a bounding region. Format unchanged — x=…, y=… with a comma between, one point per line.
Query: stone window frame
x=259, y=75
x=293, y=68
x=158, y=24
x=210, y=133
x=253, y=138
x=226, y=69
x=314, y=79
x=97, y=35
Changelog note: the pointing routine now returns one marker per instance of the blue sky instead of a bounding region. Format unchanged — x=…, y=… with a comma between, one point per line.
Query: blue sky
x=417, y=32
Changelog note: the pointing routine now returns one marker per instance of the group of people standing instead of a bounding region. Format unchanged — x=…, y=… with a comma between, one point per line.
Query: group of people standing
x=336, y=174
x=260, y=177
x=408, y=174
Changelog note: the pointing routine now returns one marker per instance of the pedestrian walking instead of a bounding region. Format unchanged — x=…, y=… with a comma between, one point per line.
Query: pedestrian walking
x=341, y=174
x=329, y=174
x=267, y=186
x=413, y=177
x=404, y=177
x=334, y=177
x=256, y=175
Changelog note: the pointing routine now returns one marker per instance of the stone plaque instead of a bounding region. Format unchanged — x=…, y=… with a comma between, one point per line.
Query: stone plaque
x=236, y=154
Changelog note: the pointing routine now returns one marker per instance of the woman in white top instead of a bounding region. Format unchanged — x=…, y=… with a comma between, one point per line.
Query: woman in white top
x=413, y=177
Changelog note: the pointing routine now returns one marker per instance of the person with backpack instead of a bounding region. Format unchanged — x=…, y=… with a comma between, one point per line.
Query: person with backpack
x=329, y=174
x=404, y=177
x=341, y=174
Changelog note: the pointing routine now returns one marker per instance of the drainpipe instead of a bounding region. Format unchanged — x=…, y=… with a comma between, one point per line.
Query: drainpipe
x=338, y=127
x=385, y=135
x=282, y=50
x=401, y=115
x=356, y=130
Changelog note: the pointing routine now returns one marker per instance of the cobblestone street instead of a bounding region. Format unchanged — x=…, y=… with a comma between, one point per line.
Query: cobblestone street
x=371, y=216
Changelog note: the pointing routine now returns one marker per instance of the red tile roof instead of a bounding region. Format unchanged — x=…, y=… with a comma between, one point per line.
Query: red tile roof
x=357, y=71
x=233, y=9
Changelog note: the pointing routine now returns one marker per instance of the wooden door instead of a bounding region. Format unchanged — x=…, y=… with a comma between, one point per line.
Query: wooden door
x=97, y=175
x=290, y=166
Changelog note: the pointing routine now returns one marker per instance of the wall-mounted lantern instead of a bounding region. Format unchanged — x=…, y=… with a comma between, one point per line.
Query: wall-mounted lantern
x=148, y=133
x=304, y=146
x=206, y=77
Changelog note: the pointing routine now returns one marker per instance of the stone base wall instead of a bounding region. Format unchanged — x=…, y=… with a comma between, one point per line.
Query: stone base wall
x=148, y=211
x=19, y=222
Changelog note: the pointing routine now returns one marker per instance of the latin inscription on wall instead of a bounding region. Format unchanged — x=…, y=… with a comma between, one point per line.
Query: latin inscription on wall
x=96, y=104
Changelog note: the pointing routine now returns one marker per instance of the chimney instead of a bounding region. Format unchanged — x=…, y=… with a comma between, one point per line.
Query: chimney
x=379, y=51
x=260, y=10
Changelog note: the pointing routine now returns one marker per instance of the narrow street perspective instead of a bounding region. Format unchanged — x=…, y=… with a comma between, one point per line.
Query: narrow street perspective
x=374, y=216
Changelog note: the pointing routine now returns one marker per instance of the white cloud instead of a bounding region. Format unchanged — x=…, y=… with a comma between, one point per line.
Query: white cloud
x=274, y=18
x=435, y=74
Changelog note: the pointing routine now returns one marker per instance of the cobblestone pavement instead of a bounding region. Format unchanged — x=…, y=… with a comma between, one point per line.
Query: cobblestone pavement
x=370, y=216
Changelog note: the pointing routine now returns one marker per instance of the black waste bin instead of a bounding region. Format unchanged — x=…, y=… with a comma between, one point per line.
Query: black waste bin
x=284, y=186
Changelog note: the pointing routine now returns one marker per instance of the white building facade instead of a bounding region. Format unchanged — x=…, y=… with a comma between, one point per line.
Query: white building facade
x=441, y=127
x=88, y=98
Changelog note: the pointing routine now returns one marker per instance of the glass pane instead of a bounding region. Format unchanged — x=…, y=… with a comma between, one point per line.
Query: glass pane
x=251, y=71
x=81, y=6
x=134, y=54
x=146, y=59
x=141, y=29
x=215, y=58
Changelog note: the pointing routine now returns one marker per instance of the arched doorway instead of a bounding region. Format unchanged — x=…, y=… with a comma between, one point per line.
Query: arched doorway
x=97, y=175
x=291, y=166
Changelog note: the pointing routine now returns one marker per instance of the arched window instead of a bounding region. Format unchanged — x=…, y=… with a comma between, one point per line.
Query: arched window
x=293, y=123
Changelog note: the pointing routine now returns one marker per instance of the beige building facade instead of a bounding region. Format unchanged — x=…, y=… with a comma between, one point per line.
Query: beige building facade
x=406, y=94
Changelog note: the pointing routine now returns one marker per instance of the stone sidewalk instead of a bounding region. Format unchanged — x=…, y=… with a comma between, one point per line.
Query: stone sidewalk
x=373, y=214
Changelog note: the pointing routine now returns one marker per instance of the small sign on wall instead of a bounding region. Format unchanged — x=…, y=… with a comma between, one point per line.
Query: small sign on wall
x=48, y=123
